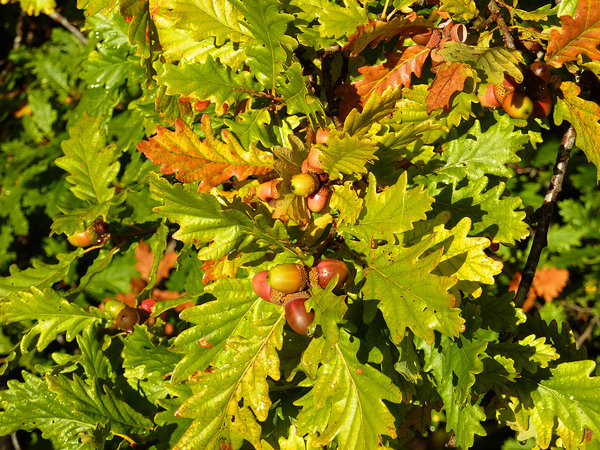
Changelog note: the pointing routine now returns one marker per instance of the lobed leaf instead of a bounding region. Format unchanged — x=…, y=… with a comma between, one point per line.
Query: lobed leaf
x=578, y=35
x=210, y=161
x=208, y=80
x=233, y=391
x=40, y=275
x=346, y=401
x=267, y=51
x=63, y=408
x=52, y=314
x=567, y=402
x=584, y=116
x=478, y=153
x=391, y=211
x=410, y=296
x=91, y=165
x=396, y=71
x=346, y=154
x=201, y=219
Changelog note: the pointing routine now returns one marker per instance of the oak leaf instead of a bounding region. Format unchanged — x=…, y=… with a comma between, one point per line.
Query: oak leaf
x=449, y=78
x=181, y=153
x=578, y=35
x=396, y=71
x=548, y=283
x=376, y=31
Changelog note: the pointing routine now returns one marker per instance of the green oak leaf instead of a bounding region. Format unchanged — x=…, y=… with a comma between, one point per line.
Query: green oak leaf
x=207, y=81
x=91, y=165
x=409, y=295
x=52, y=314
x=41, y=275
x=201, y=219
x=565, y=403
x=478, y=153
x=267, y=52
x=346, y=400
x=240, y=343
x=346, y=154
x=391, y=211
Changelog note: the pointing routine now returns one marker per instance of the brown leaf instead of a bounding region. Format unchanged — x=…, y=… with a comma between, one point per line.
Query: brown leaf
x=396, y=71
x=450, y=78
x=549, y=282
x=578, y=35
x=376, y=31
x=212, y=161
x=145, y=259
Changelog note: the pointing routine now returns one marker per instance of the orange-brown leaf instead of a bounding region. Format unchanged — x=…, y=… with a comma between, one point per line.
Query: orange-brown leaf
x=376, y=31
x=211, y=161
x=578, y=35
x=549, y=282
x=449, y=78
x=145, y=259
x=396, y=71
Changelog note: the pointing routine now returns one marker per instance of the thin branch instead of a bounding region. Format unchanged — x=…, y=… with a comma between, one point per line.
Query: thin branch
x=540, y=239
x=69, y=26
x=495, y=10
x=587, y=332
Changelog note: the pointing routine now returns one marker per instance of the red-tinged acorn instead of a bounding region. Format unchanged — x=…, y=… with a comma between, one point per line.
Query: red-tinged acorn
x=83, y=238
x=287, y=278
x=296, y=315
x=269, y=190
x=318, y=201
x=304, y=184
x=313, y=159
x=518, y=105
x=327, y=269
x=488, y=99
x=261, y=286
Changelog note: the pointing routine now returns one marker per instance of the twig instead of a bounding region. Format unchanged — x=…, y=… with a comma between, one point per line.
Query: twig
x=15, y=441
x=68, y=25
x=540, y=239
x=495, y=10
x=587, y=332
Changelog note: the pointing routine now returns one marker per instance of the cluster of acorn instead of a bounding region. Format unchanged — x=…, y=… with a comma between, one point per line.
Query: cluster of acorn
x=310, y=183
x=97, y=233
x=532, y=97
x=287, y=285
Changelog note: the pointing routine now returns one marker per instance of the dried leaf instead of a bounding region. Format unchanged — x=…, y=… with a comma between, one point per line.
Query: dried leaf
x=376, y=31
x=145, y=259
x=449, y=78
x=578, y=35
x=396, y=71
x=549, y=282
x=212, y=161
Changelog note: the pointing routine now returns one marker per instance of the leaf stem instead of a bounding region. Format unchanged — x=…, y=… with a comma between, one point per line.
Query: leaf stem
x=540, y=238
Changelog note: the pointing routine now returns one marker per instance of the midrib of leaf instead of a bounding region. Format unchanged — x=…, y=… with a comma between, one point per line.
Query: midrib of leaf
x=384, y=219
x=250, y=363
x=415, y=319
